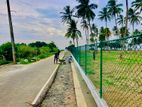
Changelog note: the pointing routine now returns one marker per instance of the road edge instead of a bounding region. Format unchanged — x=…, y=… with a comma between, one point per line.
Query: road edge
x=40, y=96
x=99, y=101
x=81, y=102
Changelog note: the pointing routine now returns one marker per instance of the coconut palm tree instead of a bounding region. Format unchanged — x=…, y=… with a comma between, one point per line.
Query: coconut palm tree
x=123, y=32
x=105, y=15
x=94, y=33
x=102, y=34
x=120, y=20
x=137, y=4
x=107, y=33
x=73, y=32
x=67, y=14
x=85, y=11
x=85, y=27
x=94, y=29
x=114, y=9
x=134, y=17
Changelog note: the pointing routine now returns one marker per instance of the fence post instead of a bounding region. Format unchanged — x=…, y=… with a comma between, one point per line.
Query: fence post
x=101, y=68
x=79, y=53
x=86, y=59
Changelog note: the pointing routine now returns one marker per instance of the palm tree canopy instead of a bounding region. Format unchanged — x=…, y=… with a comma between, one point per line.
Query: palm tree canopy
x=114, y=8
x=104, y=14
x=67, y=14
x=134, y=17
x=123, y=32
x=85, y=10
x=107, y=32
x=95, y=29
x=84, y=24
x=72, y=31
x=137, y=4
x=121, y=20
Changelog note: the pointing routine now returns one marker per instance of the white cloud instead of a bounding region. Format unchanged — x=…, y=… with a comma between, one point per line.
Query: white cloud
x=29, y=24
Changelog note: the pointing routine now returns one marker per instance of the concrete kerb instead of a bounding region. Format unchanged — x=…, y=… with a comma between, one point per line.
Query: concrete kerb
x=100, y=102
x=78, y=91
x=40, y=96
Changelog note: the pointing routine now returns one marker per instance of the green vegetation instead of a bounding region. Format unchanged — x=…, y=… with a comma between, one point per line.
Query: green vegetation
x=121, y=72
x=27, y=53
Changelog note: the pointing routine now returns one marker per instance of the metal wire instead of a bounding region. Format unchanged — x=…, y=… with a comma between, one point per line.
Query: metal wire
x=121, y=69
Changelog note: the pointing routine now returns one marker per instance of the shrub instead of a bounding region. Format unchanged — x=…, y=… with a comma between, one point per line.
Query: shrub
x=6, y=51
x=24, y=51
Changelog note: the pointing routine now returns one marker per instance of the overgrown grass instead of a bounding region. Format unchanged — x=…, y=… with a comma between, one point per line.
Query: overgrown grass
x=122, y=71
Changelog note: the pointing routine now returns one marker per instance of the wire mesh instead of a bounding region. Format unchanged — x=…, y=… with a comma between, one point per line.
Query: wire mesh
x=121, y=69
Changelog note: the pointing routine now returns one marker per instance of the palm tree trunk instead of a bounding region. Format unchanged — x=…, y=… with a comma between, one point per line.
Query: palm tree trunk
x=90, y=30
x=126, y=17
x=77, y=42
x=73, y=41
x=115, y=21
x=11, y=32
x=133, y=25
x=87, y=36
x=106, y=23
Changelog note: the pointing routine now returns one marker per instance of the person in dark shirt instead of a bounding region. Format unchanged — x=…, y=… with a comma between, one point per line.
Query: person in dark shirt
x=56, y=57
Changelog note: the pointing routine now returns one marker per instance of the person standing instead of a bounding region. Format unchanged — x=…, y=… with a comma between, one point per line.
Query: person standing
x=56, y=57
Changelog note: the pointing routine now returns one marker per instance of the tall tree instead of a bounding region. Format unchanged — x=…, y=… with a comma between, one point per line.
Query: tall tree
x=73, y=32
x=85, y=27
x=137, y=4
x=107, y=33
x=104, y=14
x=123, y=32
x=120, y=20
x=94, y=34
x=11, y=32
x=67, y=14
x=114, y=9
x=85, y=11
x=134, y=18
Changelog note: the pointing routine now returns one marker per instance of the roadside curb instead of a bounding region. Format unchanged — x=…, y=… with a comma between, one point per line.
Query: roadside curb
x=78, y=92
x=40, y=96
x=100, y=102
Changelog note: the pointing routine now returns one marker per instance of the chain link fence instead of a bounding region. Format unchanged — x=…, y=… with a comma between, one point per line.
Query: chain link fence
x=115, y=68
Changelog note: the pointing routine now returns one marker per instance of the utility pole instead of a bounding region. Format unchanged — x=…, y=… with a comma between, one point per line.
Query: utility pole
x=11, y=32
x=126, y=26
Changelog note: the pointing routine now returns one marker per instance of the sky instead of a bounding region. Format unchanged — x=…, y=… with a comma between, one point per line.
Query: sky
x=39, y=20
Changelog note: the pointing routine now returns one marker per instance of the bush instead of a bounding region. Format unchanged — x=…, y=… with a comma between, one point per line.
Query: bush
x=24, y=51
x=6, y=51
x=27, y=53
x=44, y=50
x=4, y=62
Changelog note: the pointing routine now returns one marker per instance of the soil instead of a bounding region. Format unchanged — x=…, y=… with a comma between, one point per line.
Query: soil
x=61, y=93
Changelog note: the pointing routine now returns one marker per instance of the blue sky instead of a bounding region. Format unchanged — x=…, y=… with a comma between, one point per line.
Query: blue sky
x=40, y=20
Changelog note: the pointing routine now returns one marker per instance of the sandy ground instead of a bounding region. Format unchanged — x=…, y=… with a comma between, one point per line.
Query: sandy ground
x=61, y=93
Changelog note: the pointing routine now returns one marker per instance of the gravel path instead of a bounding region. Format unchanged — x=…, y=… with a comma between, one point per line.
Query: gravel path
x=61, y=93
